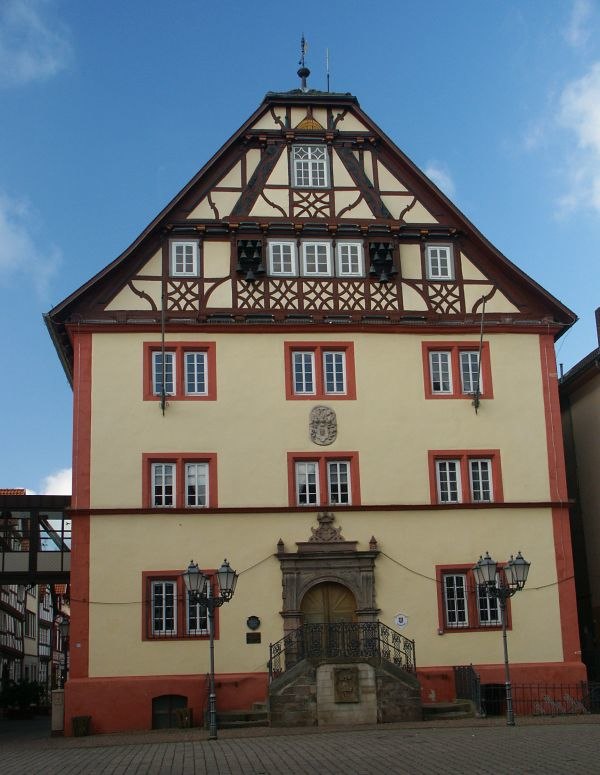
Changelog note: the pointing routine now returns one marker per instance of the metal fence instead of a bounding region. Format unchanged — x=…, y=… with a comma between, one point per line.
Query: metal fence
x=542, y=699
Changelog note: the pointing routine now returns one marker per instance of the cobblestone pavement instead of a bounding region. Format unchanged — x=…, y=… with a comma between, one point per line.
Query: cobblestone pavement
x=569, y=746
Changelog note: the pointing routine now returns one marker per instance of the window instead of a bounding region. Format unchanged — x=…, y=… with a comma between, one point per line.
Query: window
x=452, y=370
x=350, y=260
x=184, y=259
x=179, y=481
x=309, y=166
x=465, y=477
x=463, y=604
x=168, y=611
x=440, y=263
x=316, y=371
x=282, y=258
x=187, y=371
x=326, y=480
x=30, y=624
x=316, y=259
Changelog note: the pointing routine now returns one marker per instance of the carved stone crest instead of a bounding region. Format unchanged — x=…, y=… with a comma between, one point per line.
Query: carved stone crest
x=322, y=425
x=325, y=533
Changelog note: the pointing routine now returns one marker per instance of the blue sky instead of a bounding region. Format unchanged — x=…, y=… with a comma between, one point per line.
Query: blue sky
x=110, y=106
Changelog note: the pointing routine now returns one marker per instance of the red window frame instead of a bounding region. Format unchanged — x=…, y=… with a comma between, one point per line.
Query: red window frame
x=179, y=460
x=454, y=349
x=181, y=634
x=180, y=348
x=472, y=600
x=322, y=460
x=318, y=348
x=464, y=456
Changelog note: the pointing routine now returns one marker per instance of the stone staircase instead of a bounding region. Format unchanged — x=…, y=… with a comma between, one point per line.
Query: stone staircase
x=243, y=719
x=438, y=711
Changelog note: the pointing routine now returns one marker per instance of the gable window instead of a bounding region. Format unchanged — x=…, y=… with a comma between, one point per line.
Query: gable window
x=188, y=371
x=169, y=614
x=465, y=477
x=323, y=370
x=453, y=370
x=185, y=481
x=350, y=259
x=323, y=480
x=316, y=259
x=439, y=262
x=309, y=166
x=463, y=604
x=184, y=259
x=282, y=258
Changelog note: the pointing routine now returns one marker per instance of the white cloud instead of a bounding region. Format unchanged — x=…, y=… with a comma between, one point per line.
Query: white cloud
x=32, y=47
x=441, y=177
x=58, y=483
x=579, y=113
x=19, y=252
x=577, y=30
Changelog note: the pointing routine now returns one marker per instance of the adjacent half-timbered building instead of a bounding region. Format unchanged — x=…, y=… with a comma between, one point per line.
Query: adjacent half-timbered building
x=312, y=364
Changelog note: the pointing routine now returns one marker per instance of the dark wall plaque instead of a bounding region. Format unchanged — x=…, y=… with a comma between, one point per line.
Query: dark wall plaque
x=345, y=684
x=253, y=637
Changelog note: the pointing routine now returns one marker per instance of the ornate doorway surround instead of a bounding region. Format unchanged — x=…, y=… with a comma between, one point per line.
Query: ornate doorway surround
x=327, y=558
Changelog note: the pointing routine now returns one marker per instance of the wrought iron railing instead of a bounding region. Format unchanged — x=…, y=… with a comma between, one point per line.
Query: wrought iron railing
x=542, y=699
x=341, y=640
x=468, y=686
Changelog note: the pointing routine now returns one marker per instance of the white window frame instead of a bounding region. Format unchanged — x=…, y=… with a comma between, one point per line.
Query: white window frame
x=184, y=271
x=205, y=468
x=197, y=607
x=336, y=466
x=359, y=271
x=173, y=496
x=310, y=171
x=479, y=462
x=440, y=474
x=338, y=389
x=164, y=632
x=449, y=605
x=439, y=368
x=293, y=272
x=489, y=606
x=467, y=373
x=305, y=359
x=435, y=269
x=317, y=245
x=198, y=355
x=301, y=475
x=170, y=355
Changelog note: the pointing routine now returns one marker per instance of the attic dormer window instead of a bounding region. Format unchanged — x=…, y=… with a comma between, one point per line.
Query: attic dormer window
x=184, y=259
x=309, y=166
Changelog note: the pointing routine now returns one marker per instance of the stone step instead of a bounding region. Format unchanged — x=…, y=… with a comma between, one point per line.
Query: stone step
x=447, y=710
x=234, y=719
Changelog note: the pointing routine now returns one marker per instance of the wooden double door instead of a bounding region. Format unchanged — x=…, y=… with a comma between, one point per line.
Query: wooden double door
x=328, y=603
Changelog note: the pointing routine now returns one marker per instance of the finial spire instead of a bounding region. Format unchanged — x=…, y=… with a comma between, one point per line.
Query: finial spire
x=303, y=72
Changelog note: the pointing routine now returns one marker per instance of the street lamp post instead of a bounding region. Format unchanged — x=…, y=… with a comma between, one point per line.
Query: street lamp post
x=515, y=571
x=198, y=588
x=63, y=628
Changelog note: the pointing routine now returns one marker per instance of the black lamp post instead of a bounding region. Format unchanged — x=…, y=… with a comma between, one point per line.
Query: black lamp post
x=198, y=587
x=63, y=628
x=515, y=571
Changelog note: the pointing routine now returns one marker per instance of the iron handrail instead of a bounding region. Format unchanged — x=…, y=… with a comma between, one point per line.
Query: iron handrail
x=341, y=640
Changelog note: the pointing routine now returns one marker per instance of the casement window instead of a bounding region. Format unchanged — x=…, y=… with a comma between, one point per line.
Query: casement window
x=439, y=262
x=186, y=481
x=453, y=370
x=463, y=604
x=282, y=258
x=465, y=477
x=186, y=371
x=315, y=371
x=184, y=259
x=350, y=259
x=168, y=611
x=330, y=479
x=316, y=259
x=309, y=166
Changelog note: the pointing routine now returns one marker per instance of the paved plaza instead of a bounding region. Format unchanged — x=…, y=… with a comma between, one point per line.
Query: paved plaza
x=479, y=746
